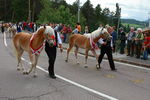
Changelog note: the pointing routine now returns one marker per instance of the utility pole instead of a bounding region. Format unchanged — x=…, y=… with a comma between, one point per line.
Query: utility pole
x=78, y=10
x=149, y=20
x=119, y=13
x=29, y=16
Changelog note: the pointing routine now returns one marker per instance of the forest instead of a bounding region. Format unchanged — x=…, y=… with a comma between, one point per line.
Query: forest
x=57, y=11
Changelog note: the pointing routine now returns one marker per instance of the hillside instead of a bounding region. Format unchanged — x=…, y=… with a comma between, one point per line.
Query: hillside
x=133, y=22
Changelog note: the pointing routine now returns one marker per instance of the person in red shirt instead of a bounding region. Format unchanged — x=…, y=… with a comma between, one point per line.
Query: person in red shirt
x=146, y=46
x=64, y=31
x=79, y=27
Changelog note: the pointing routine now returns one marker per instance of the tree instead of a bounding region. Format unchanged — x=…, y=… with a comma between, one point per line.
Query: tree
x=117, y=15
x=46, y=14
x=18, y=7
x=88, y=12
x=60, y=15
x=105, y=15
x=98, y=15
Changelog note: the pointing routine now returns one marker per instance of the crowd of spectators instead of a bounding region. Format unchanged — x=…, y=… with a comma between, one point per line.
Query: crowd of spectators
x=134, y=43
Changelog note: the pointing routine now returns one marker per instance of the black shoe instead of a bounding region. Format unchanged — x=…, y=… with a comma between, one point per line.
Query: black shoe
x=114, y=70
x=131, y=55
x=128, y=55
x=137, y=57
x=53, y=76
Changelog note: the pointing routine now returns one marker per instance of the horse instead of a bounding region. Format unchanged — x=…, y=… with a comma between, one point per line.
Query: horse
x=87, y=42
x=11, y=31
x=33, y=45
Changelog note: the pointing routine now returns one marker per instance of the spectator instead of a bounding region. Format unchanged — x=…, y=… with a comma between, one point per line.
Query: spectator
x=79, y=27
x=122, y=40
x=19, y=29
x=86, y=30
x=75, y=31
x=34, y=27
x=2, y=28
x=100, y=26
x=131, y=42
x=64, y=32
x=114, y=38
x=146, y=46
x=69, y=31
x=138, y=42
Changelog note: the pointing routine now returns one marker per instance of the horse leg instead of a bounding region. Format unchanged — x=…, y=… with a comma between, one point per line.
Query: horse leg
x=32, y=59
x=96, y=56
x=76, y=52
x=68, y=50
x=34, y=71
x=19, y=54
x=86, y=57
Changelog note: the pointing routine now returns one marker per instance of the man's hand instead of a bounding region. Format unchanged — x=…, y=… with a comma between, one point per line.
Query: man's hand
x=104, y=43
x=61, y=50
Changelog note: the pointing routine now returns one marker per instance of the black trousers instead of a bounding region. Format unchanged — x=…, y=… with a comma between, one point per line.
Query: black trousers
x=108, y=51
x=51, y=53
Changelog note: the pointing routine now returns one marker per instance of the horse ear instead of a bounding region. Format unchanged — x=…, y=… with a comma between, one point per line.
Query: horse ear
x=44, y=26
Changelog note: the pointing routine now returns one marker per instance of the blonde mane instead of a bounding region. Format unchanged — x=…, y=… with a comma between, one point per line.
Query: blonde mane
x=49, y=30
x=96, y=33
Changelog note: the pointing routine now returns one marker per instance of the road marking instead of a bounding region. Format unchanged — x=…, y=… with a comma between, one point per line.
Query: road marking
x=5, y=40
x=77, y=84
x=134, y=66
x=69, y=81
x=110, y=76
x=138, y=81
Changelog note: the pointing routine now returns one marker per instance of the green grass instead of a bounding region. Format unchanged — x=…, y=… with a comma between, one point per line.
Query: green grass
x=133, y=25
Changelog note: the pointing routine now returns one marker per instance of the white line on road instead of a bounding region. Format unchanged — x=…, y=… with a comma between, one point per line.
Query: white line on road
x=5, y=39
x=69, y=81
x=77, y=84
x=134, y=66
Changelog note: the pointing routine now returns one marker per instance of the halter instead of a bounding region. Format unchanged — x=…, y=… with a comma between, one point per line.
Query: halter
x=53, y=37
x=39, y=49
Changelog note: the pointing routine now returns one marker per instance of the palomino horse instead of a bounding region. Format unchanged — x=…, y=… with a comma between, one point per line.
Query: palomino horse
x=33, y=44
x=11, y=31
x=87, y=42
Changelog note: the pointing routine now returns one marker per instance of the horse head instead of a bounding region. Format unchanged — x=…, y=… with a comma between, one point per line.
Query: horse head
x=106, y=32
x=48, y=34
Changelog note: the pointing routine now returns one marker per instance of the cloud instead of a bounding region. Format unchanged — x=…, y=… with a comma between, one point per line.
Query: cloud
x=135, y=9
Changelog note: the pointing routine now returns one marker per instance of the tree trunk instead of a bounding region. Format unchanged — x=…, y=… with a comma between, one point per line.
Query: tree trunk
x=33, y=10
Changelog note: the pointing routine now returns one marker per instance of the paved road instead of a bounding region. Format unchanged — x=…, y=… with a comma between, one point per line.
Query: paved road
x=128, y=83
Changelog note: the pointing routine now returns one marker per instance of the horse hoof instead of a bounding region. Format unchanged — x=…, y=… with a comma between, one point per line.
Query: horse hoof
x=98, y=67
x=85, y=66
x=24, y=72
x=35, y=75
x=78, y=62
x=27, y=73
x=66, y=60
x=18, y=68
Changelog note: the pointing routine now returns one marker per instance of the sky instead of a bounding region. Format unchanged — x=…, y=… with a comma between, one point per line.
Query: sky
x=132, y=9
